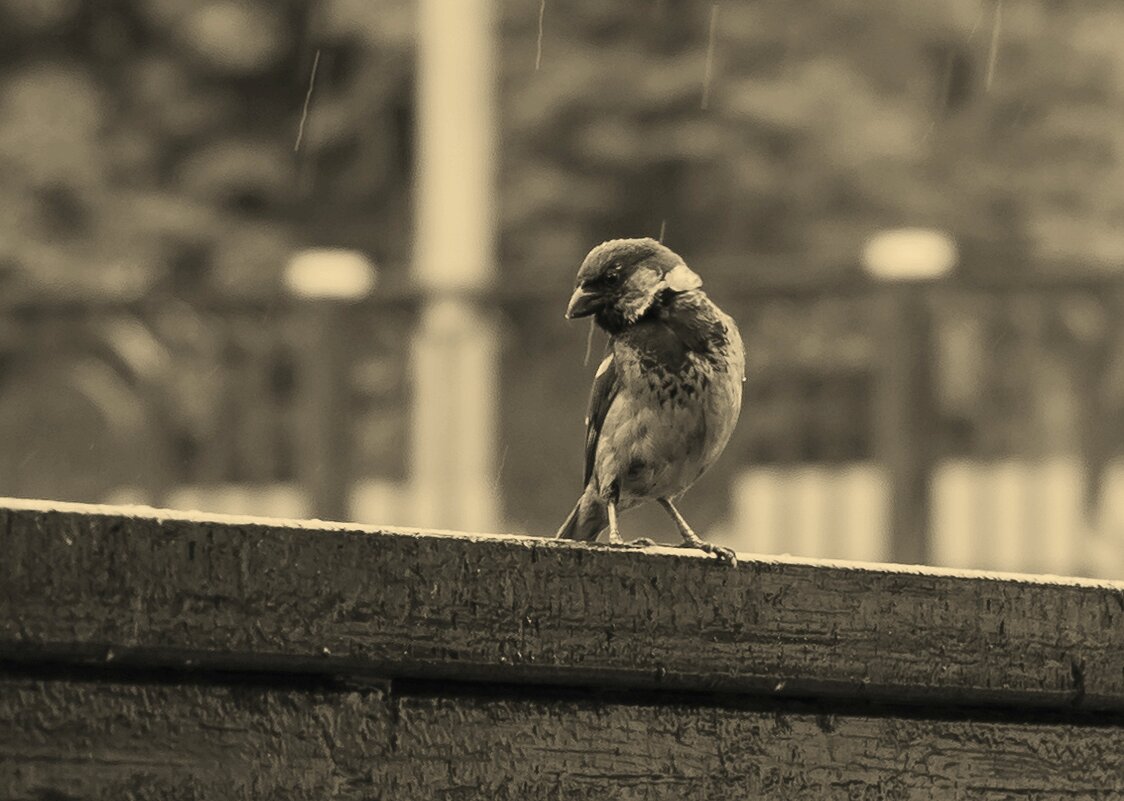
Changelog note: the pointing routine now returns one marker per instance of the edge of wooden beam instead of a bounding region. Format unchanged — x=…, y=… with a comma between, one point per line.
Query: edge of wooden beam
x=156, y=588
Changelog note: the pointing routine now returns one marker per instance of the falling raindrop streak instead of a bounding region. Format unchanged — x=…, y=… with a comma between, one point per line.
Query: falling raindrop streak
x=307, y=100
x=538, y=47
x=993, y=55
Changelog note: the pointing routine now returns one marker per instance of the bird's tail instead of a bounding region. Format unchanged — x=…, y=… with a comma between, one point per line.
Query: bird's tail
x=588, y=519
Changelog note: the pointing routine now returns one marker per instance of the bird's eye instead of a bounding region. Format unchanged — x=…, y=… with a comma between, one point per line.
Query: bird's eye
x=613, y=277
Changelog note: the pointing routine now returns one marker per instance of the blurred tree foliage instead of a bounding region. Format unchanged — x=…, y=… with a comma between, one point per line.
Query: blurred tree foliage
x=144, y=138
x=151, y=141
x=825, y=121
x=148, y=144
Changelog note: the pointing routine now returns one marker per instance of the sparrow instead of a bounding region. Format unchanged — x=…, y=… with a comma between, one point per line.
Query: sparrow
x=667, y=395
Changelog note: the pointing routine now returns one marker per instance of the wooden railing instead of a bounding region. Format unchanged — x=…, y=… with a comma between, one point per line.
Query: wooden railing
x=150, y=654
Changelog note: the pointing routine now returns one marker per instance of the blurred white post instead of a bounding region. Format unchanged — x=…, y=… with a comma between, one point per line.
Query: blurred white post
x=455, y=354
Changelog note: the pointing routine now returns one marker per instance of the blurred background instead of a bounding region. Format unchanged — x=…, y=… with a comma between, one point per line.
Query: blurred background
x=310, y=259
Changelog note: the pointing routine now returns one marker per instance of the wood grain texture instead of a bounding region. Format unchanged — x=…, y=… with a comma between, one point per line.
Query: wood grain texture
x=583, y=749
x=110, y=585
x=68, y=739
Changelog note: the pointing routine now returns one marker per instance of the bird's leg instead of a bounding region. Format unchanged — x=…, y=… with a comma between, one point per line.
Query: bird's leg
x=693, y=540
x=614, y=530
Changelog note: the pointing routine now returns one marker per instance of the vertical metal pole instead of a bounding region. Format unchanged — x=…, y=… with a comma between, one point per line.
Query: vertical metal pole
x=906, y=424
x=325, y=456
x=455, y=356
x=326, y=281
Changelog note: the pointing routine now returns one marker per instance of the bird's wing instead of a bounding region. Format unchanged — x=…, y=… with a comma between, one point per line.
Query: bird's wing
x=606, y=385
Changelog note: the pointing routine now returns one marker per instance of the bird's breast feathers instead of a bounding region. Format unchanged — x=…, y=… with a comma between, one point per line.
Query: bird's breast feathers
x=679, y=355
x=679, y=385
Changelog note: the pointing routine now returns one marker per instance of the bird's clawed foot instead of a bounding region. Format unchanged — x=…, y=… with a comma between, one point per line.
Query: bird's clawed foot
x=724, y=554
x=693, y=540
x=615, y=532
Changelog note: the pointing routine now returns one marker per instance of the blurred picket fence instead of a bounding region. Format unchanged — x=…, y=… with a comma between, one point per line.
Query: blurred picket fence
x=1010, y=514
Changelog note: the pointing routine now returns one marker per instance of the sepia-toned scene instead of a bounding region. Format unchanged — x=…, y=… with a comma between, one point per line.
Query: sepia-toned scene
x=517, y=399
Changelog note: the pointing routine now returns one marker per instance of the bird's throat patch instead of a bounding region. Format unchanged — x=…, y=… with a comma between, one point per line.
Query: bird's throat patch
x=682, y=278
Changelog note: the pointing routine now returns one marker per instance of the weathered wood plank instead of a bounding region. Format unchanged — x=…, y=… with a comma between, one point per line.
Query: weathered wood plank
x=147, y=740
x=63, y=740
x=84, y=583
x=577, y=749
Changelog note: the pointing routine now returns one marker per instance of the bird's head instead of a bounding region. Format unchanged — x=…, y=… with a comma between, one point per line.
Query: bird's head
x=623, y=279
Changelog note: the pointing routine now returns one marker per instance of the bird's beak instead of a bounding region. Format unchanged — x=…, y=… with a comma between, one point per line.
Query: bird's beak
x=583, y=303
